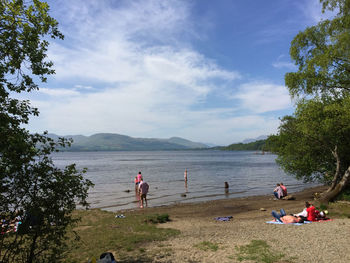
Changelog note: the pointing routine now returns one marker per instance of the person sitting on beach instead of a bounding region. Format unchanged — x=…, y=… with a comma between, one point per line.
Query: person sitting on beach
x=284, y=190
x=143, y=190
x=302, y=213
x=286, y=219
x=278, y=192
x=311, y=212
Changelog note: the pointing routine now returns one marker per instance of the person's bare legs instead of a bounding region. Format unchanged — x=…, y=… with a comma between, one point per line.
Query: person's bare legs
x=146, y=200
x=141, y=201
x=141, y=198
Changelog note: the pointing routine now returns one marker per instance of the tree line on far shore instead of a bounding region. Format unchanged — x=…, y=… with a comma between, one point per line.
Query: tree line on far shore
x=259, y=145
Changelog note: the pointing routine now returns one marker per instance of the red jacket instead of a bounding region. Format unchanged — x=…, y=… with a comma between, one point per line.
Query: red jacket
x=311, y=215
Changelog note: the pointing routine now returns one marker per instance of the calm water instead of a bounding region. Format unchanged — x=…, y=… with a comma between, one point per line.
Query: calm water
x=113, y=174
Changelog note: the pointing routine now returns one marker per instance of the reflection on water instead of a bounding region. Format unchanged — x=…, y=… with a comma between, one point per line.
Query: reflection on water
x=113, y=173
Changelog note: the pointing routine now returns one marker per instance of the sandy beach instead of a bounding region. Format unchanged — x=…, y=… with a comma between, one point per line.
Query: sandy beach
x=315, y=242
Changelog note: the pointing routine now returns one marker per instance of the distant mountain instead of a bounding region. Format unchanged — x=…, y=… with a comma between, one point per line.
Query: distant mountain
x=186, y=143
x=261, y=137
x=117, y=142
x=210, y=144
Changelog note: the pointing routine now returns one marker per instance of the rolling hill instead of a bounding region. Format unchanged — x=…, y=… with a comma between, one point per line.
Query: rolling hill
x=117, y=142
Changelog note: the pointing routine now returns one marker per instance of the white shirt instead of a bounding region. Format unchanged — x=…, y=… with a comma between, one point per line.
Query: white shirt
x=303, y=213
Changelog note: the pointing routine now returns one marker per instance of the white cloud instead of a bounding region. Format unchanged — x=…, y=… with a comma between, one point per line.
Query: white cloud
x=312, y=9
x=141, y=112
x=103, y=112
x=281, y=62
x=82, y=87
x=58, y=92
x=141, y=80
x=284, y=64
x=263, y=97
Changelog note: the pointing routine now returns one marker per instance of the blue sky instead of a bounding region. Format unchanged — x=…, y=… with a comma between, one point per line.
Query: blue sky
x=208, y=71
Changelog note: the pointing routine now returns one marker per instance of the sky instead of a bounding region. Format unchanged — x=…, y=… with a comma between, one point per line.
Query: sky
x=207, y=71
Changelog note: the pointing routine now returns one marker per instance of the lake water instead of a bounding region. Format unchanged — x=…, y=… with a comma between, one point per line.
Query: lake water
x=113, y=173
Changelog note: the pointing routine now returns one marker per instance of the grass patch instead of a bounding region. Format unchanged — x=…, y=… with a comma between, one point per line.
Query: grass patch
x=339, y=209
x=345, y=195
x=158, y=219
x=322, y=207
x=100, y=231
x=258, y=251
x=207, y=245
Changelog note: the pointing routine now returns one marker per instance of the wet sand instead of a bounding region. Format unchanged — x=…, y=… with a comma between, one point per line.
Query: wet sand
x=315, y=242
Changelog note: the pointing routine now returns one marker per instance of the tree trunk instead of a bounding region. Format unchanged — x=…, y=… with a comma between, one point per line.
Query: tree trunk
x=332, y=194
x=337, y=170
x=32, y=247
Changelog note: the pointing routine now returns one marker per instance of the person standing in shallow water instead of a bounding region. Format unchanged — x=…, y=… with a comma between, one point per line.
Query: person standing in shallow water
x=136, y=184
x=185, y=174
x=138, y=180
x=139, y=177
x=143, y=190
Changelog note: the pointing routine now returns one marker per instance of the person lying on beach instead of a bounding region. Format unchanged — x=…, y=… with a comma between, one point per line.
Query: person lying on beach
x=8, y=225
x=286, y=219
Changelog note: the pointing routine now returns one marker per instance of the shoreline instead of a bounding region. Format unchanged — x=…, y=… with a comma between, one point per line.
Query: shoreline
x=315, y=242
x=193, y=200
x=253, y=200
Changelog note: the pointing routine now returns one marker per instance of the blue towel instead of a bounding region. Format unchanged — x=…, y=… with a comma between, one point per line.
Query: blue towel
x=280, y=223
x=223, y=218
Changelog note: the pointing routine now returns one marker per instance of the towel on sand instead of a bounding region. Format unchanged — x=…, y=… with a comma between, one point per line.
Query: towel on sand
x=223, y=218
x=280, y=223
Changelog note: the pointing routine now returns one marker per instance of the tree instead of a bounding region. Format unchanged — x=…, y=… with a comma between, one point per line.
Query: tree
x=313, y=144
x=322, y=53
x=29, y=180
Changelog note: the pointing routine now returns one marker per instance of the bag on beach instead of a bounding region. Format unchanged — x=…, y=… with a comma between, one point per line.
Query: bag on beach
x=106, y=257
